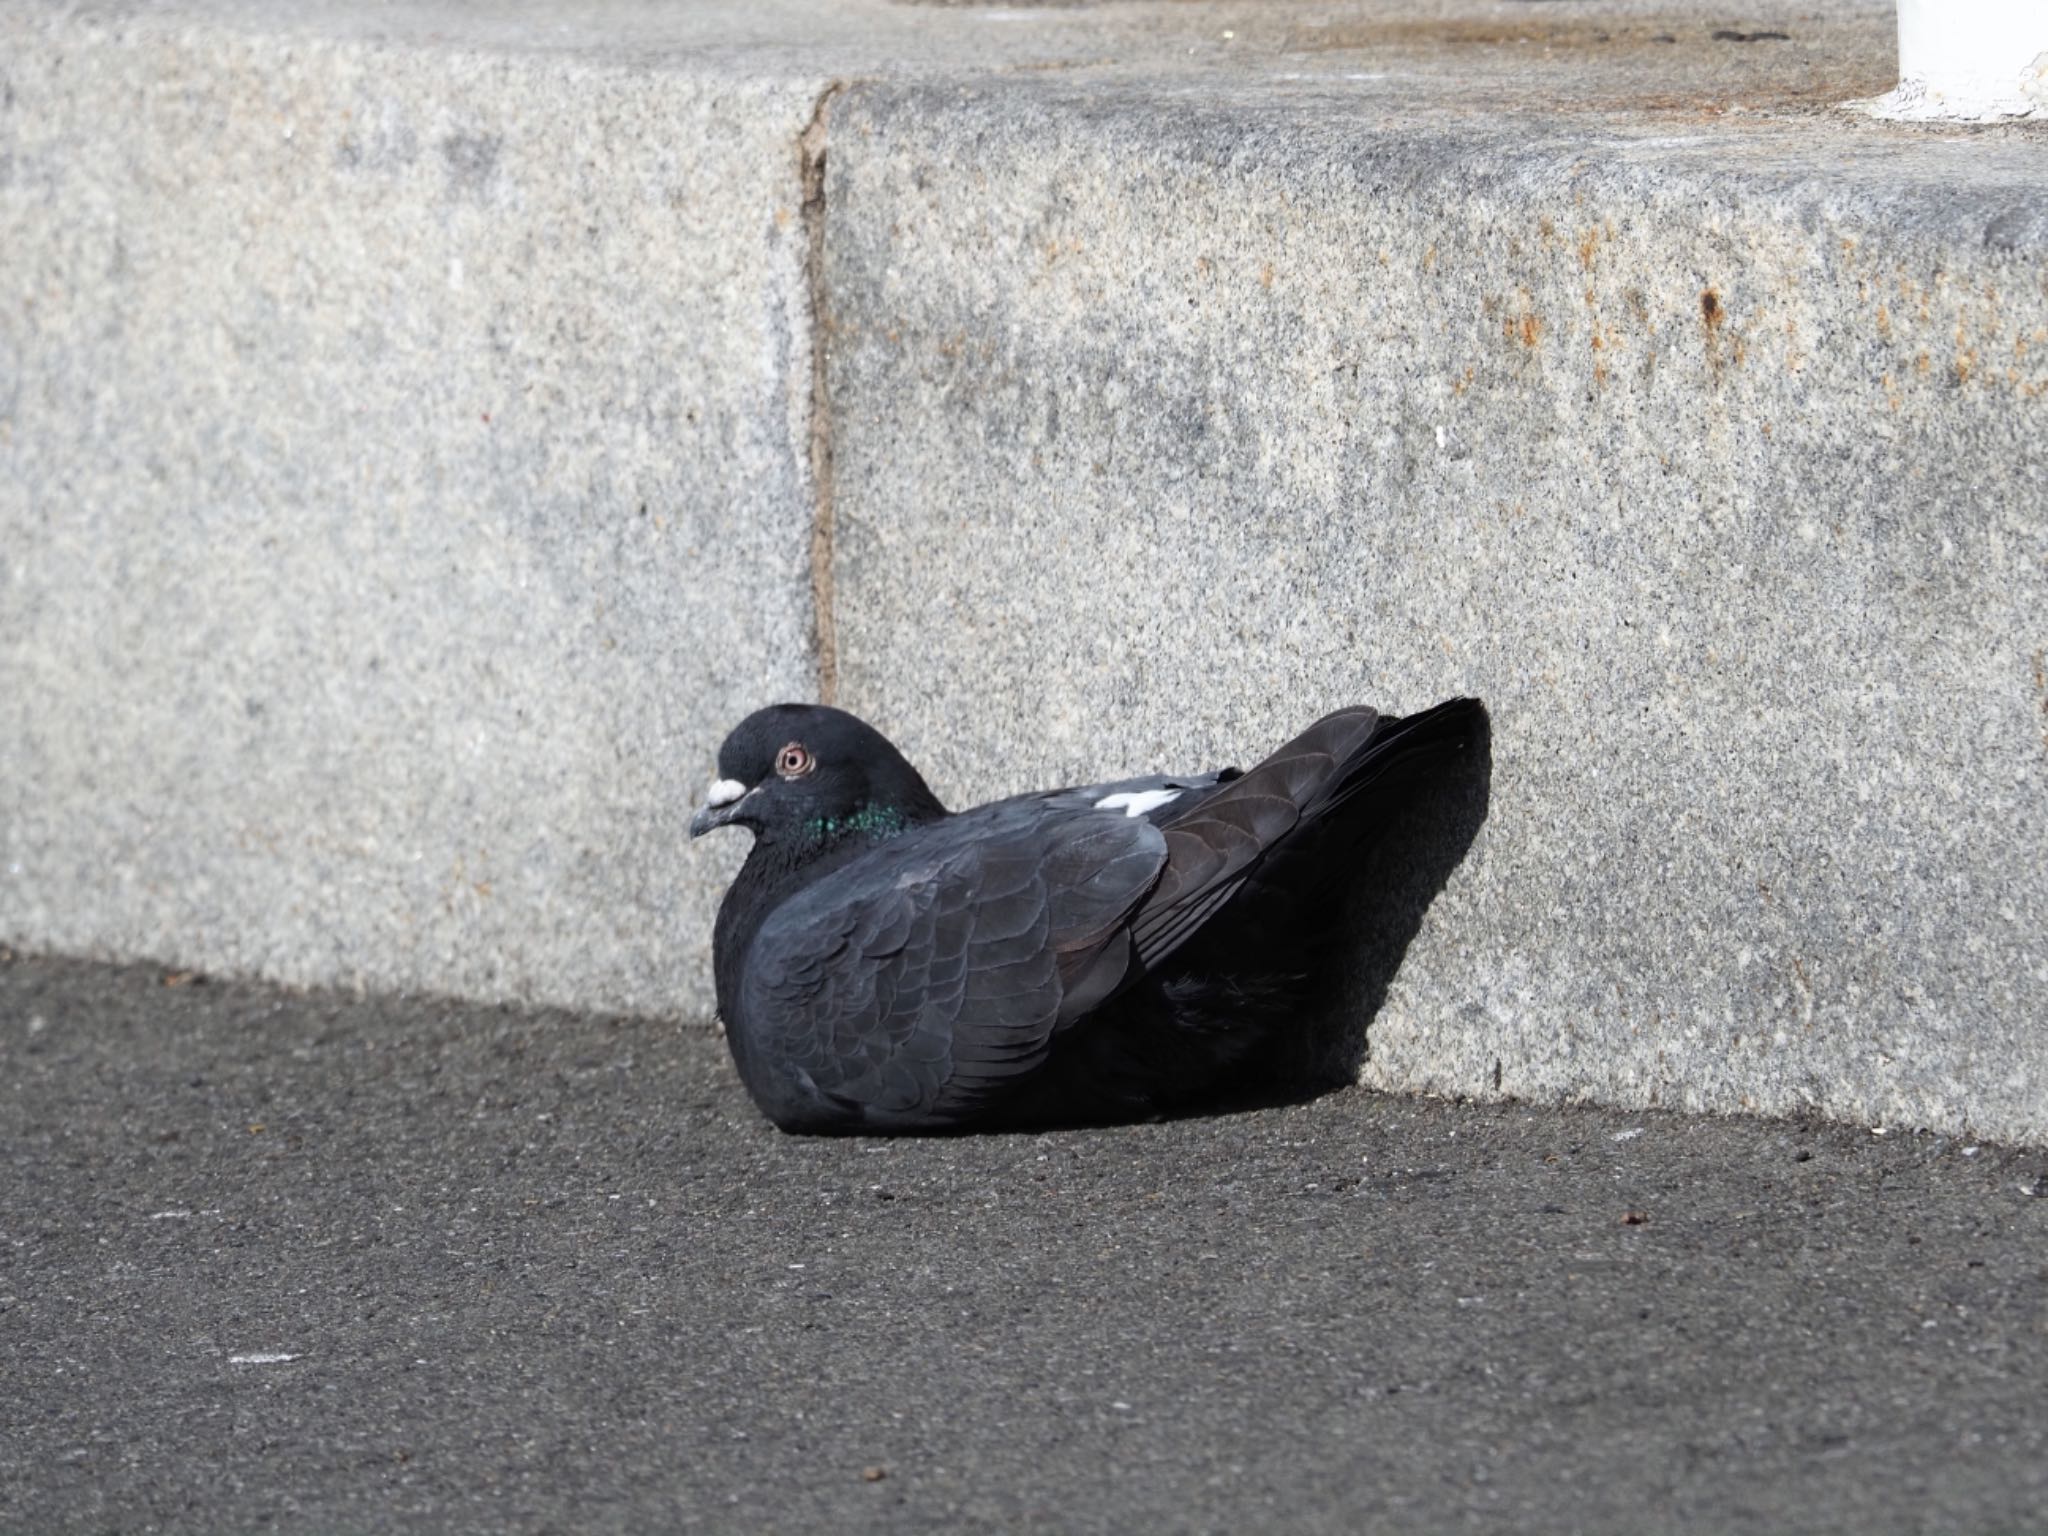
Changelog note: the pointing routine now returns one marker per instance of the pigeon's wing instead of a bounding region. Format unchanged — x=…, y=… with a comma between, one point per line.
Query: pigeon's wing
x=1218, y=844
x=909, y=987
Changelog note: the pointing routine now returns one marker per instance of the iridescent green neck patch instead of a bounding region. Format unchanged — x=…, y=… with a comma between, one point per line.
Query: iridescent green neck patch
x=870, y=821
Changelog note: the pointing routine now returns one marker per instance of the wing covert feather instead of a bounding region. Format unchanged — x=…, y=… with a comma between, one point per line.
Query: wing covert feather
x=914, y=982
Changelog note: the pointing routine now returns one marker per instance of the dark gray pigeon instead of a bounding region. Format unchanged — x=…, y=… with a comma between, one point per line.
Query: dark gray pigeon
x=1111, y=951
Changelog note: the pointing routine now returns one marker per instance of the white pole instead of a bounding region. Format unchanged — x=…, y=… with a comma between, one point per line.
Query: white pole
x=1969, y=61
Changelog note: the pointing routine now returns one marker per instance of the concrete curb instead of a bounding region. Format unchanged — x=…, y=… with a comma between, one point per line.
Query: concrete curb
x=1717, y=468
x=407, y=476
x=415, y=456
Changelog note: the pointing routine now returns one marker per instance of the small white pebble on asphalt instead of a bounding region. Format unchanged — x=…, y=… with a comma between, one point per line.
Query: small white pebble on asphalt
x=1971, y=1151
x=796, y=1266
x=169, y=1215
x=1880, y=1130
x=262, y=1359
x=37, y=1023
x=1121, y=1407
x=1628, y=1135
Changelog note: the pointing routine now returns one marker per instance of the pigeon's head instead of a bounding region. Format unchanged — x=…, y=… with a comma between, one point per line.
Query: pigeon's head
x=808, y=773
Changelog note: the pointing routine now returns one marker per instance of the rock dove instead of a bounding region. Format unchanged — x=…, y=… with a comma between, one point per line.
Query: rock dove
x=1103, y=952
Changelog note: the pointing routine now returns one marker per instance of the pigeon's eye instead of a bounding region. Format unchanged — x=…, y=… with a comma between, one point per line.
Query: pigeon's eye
x=794, y=761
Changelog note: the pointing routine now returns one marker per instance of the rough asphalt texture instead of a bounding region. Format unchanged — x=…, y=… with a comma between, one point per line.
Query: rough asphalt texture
x=302, y=1261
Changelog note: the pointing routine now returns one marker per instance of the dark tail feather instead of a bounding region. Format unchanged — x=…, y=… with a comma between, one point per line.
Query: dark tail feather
x=1286, y=913
x=1374, y=788
x=1346, y=764
x=1400, y=752
x=1253, y=899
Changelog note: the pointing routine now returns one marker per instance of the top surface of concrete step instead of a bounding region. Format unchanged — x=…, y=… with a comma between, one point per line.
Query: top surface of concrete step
x=1674, y=87
x=1448, y=52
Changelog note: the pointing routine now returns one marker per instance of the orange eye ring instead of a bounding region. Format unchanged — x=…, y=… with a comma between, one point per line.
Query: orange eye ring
x=794, y=761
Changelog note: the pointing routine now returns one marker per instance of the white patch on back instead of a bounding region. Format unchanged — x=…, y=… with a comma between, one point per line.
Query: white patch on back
x=1137, y=802
x=723, y=792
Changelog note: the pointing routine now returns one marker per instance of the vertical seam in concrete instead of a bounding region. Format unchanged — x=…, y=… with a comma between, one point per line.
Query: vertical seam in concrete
x=811, y=160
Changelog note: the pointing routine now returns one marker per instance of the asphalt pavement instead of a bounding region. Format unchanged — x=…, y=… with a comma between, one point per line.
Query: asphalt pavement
x=304, y=1261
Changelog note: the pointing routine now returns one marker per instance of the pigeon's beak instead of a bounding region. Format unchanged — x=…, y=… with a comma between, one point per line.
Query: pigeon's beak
x=721, y=803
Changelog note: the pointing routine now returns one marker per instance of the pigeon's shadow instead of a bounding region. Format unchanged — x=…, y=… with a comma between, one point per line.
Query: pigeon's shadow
x=1383, y=904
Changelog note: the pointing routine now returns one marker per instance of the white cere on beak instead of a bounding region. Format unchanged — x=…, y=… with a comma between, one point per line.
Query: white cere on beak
x=723, y=792
x=1138, y=802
